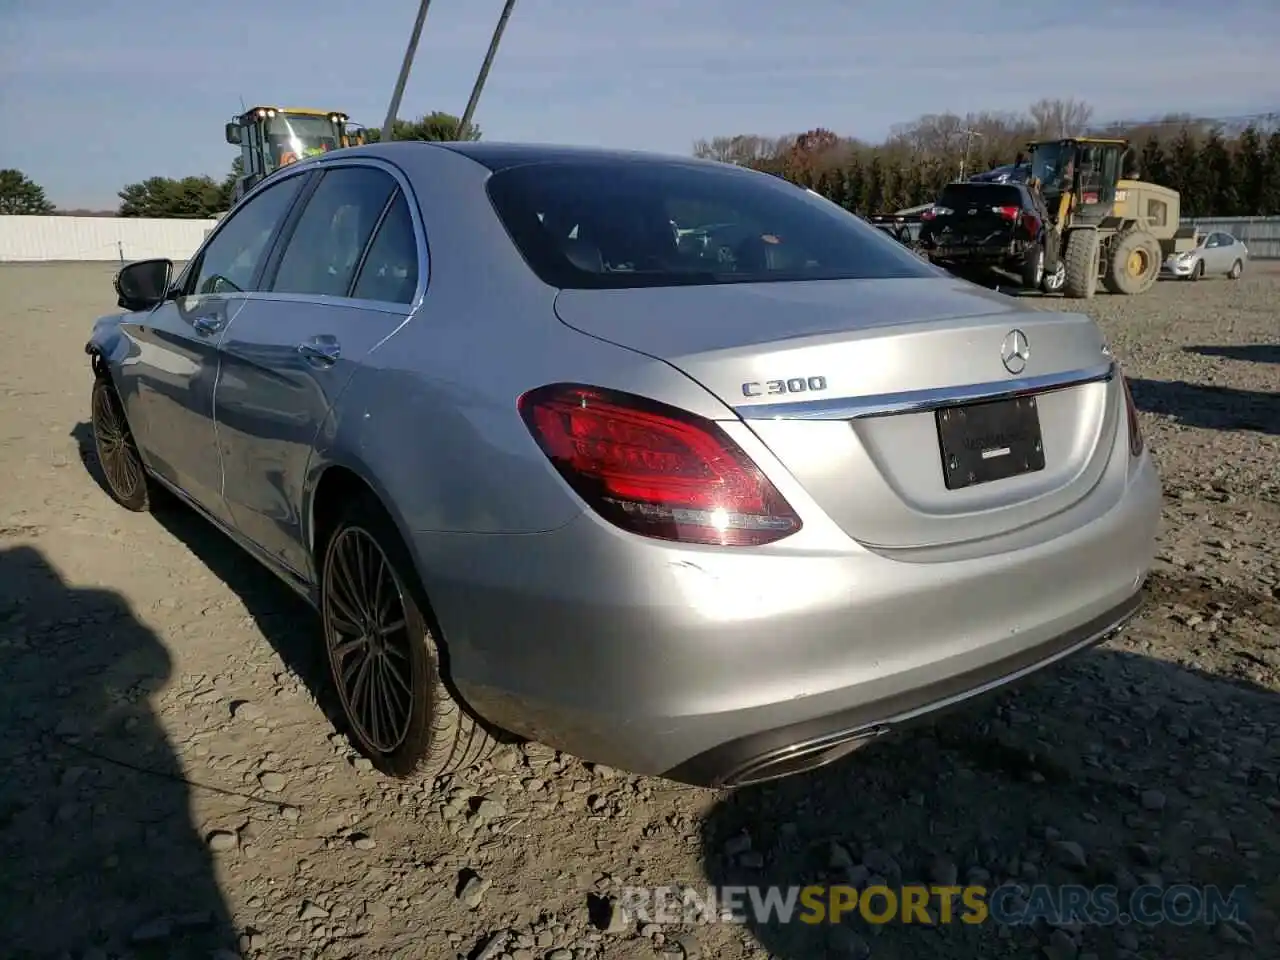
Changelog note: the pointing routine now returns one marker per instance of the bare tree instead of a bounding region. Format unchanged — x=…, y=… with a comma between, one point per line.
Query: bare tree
x=1055, y=118
x=743, y=149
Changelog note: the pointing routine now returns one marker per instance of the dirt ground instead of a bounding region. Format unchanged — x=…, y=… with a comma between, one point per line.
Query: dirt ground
x=172, y=786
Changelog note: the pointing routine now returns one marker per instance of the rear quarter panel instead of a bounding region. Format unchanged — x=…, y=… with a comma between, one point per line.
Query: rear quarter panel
x=430, y=420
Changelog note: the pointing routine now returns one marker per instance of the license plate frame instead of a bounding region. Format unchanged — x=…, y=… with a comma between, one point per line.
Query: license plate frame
x=989, y=440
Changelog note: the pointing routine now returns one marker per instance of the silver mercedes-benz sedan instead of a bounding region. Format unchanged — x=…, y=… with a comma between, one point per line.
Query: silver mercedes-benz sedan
x=719, y=510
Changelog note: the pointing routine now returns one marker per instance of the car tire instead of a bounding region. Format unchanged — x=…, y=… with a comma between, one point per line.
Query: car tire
x=1033, y=268
x=1237, y=270
x=1198, y=272
x=123, y=474
x=1081, y=261
x=402, y=717
x=1053, y=281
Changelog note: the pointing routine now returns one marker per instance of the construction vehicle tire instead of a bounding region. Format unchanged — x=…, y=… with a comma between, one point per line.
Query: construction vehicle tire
x=1133, y=263
x=1081, y=261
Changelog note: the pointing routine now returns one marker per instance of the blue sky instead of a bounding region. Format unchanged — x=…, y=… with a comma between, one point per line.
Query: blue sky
x=100, y=93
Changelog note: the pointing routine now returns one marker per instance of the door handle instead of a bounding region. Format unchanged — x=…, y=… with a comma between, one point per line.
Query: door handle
x=206, y=325
x=324, y=350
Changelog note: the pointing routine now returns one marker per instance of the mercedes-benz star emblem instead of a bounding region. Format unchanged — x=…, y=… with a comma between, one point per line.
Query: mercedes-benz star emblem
x=1015, y=352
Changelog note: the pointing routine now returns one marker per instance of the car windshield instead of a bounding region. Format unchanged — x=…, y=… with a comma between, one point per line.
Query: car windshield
x=293, y=136
x=616, y=224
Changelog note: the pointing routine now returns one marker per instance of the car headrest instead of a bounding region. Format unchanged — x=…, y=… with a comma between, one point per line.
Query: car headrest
x=584, y=255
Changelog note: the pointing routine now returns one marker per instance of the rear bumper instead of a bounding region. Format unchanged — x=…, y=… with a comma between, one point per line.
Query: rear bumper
x=815, y=743
x=701, y=664
x=985, y=254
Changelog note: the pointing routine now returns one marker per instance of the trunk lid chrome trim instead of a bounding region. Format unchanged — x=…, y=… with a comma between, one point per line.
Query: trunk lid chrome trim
x=919, y=401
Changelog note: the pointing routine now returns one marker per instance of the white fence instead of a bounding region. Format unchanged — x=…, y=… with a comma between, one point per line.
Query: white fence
x=98, y=238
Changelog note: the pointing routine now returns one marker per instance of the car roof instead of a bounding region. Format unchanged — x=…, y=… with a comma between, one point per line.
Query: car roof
x=501, y=156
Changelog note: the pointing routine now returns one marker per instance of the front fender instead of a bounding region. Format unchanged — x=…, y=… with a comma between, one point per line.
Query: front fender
x=107, y=345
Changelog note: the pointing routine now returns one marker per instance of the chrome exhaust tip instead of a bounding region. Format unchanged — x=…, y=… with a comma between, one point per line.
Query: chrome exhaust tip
x=803, y=757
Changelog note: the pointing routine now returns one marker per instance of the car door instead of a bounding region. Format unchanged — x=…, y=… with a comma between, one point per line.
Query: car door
x=1227, y=253
x=1212, y=254
x=169, y=385
x=345, y=278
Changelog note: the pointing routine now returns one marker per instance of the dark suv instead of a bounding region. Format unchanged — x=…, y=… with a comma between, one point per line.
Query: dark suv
x=985, y=226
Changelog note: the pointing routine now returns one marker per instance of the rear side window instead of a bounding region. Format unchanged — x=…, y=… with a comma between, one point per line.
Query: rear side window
x=960, y=195
x=618, y=224
x=324, y=250
x=390, y=269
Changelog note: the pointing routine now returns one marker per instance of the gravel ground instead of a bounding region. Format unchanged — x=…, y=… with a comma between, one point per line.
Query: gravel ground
x=173, y=788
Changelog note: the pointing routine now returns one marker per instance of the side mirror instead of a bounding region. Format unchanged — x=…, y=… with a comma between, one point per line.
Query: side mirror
x=143, y=285
x=233, y=134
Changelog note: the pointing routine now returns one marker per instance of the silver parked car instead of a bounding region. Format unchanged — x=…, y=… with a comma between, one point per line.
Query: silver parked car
x=719, y=512
x=1217, y=254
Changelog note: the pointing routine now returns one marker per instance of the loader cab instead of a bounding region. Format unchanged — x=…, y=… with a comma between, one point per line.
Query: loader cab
x=270, y=138
x=1087, y=169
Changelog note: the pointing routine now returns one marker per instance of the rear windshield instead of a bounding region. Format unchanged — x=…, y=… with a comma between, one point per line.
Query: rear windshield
x=987, y=194
x=593, y=225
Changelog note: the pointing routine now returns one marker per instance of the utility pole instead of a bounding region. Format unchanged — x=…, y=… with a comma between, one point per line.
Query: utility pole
x=968, y=138
x=468, y=113
x=389, y=124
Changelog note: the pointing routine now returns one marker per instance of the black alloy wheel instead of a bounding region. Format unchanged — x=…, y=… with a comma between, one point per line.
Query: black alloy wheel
x=367, y=633
x=117, y=453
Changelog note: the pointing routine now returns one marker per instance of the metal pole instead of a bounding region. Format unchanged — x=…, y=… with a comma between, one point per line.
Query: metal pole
x=467, y=114
x=968, y=138
x=409, y=54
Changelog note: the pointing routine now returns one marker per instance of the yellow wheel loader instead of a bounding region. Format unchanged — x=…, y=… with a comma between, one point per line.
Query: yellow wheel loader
x=1106, y=225
x=271, y=137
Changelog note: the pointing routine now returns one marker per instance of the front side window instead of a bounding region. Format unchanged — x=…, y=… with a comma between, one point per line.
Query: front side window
x=1049, y=163
x=230, y=262
x=324, y=249
x=614, y=224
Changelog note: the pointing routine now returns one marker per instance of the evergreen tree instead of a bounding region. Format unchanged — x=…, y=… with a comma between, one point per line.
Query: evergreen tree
x=1251, y=174
x=1221, y=196
x=1184, y=174
x=1153, y=162
x=21, y=195
x=874, y=198
x=854, y=185
x=1269, y=205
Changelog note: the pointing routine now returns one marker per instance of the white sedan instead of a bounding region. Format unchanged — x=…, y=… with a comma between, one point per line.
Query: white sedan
x=1217, y=254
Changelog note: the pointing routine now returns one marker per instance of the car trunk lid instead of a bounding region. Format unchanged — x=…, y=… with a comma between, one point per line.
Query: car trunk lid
x=841, y=380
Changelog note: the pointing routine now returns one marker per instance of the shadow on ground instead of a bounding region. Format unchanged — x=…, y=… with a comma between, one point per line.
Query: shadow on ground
x=1249, y=352
x=287, y=622
x=99, y=852
x=1213, y=408
x=1112, y=768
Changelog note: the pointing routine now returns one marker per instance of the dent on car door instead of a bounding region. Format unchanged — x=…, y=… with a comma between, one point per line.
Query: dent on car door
x=176, y=367
x=344, y=279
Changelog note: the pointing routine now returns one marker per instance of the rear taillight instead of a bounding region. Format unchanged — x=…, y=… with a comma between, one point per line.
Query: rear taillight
x=1135, y=429
x=655, y=470
x=1031, y=224
x=934, y=212
x=1009, y=213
